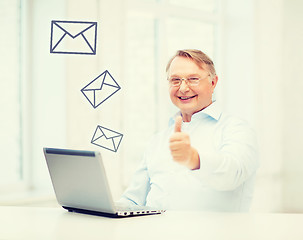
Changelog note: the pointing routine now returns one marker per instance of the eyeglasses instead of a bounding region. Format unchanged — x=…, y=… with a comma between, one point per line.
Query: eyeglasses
x=192, y=81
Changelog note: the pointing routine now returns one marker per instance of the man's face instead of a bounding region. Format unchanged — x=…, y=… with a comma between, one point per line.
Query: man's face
x=190, y=99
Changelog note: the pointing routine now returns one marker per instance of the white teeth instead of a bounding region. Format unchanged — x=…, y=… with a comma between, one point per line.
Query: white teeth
x=184, y=98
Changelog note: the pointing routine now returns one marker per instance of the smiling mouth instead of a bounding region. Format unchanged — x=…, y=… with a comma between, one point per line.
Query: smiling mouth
x=186, y=98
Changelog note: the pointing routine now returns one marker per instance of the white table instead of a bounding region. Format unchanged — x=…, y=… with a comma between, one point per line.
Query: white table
x=56, y=223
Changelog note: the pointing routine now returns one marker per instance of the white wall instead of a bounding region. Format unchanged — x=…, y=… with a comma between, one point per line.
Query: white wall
x=291, y=94
x=268, y=78
x=236, y=78
x=278, y=61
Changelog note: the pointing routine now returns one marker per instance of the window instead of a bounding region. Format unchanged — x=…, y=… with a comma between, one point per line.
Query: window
x=10, y=128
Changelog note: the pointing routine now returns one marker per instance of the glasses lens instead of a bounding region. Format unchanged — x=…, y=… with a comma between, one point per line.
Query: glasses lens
x=175, y=81
x=193, y=81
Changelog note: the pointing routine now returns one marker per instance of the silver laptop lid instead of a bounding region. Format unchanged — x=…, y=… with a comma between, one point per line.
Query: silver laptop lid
x=79, y=179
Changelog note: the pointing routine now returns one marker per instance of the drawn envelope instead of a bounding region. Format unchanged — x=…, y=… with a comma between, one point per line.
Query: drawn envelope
x=73, y=37
x=100, y=89
x=106, y=138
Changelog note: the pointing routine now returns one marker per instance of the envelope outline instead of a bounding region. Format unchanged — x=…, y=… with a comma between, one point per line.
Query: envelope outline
x=109, y=135
x=99, y=87
x=93, y=48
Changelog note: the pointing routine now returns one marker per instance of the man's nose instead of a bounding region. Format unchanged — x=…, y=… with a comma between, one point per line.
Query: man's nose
x=183, y=87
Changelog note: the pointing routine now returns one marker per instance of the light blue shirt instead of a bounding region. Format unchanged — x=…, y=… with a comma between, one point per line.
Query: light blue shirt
x=228, y=162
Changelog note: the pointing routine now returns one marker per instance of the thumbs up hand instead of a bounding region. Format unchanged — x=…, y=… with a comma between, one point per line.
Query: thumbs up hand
x=181, y=149
x=178, y=124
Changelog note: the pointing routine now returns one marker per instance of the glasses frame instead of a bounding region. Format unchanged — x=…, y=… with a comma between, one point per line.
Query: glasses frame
x=187, y=81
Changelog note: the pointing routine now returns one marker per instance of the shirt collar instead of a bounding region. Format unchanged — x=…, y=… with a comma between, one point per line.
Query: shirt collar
x=213, y=110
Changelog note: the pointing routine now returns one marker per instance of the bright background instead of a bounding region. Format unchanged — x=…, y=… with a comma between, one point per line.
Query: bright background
x=257, y=49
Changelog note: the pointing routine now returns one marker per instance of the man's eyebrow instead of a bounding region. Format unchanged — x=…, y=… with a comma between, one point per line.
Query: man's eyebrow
x=186, y=76
x=174, y=75
x=193, y=75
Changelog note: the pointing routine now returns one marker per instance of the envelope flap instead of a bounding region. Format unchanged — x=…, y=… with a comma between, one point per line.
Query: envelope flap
x=104, y=78
x=74, y=28
x=96, y=84
x=109, y=133
x=109, y=80
x=117, y=141
x=98, y=134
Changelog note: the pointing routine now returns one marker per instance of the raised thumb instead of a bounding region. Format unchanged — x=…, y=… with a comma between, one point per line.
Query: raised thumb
x=178, y=124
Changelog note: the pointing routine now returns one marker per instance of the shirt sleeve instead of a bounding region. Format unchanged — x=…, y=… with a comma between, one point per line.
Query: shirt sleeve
x=139, y=187
x=235, y=158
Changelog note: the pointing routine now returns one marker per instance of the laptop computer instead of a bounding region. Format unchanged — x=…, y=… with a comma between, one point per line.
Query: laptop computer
x=81, y=185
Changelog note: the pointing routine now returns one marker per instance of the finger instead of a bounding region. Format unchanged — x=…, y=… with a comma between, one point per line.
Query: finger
x=178, y=157
x=178, y=124
x=177, y=136
x=173, y=146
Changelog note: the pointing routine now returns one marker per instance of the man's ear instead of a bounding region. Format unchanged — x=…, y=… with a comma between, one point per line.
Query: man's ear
x=214, y=81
